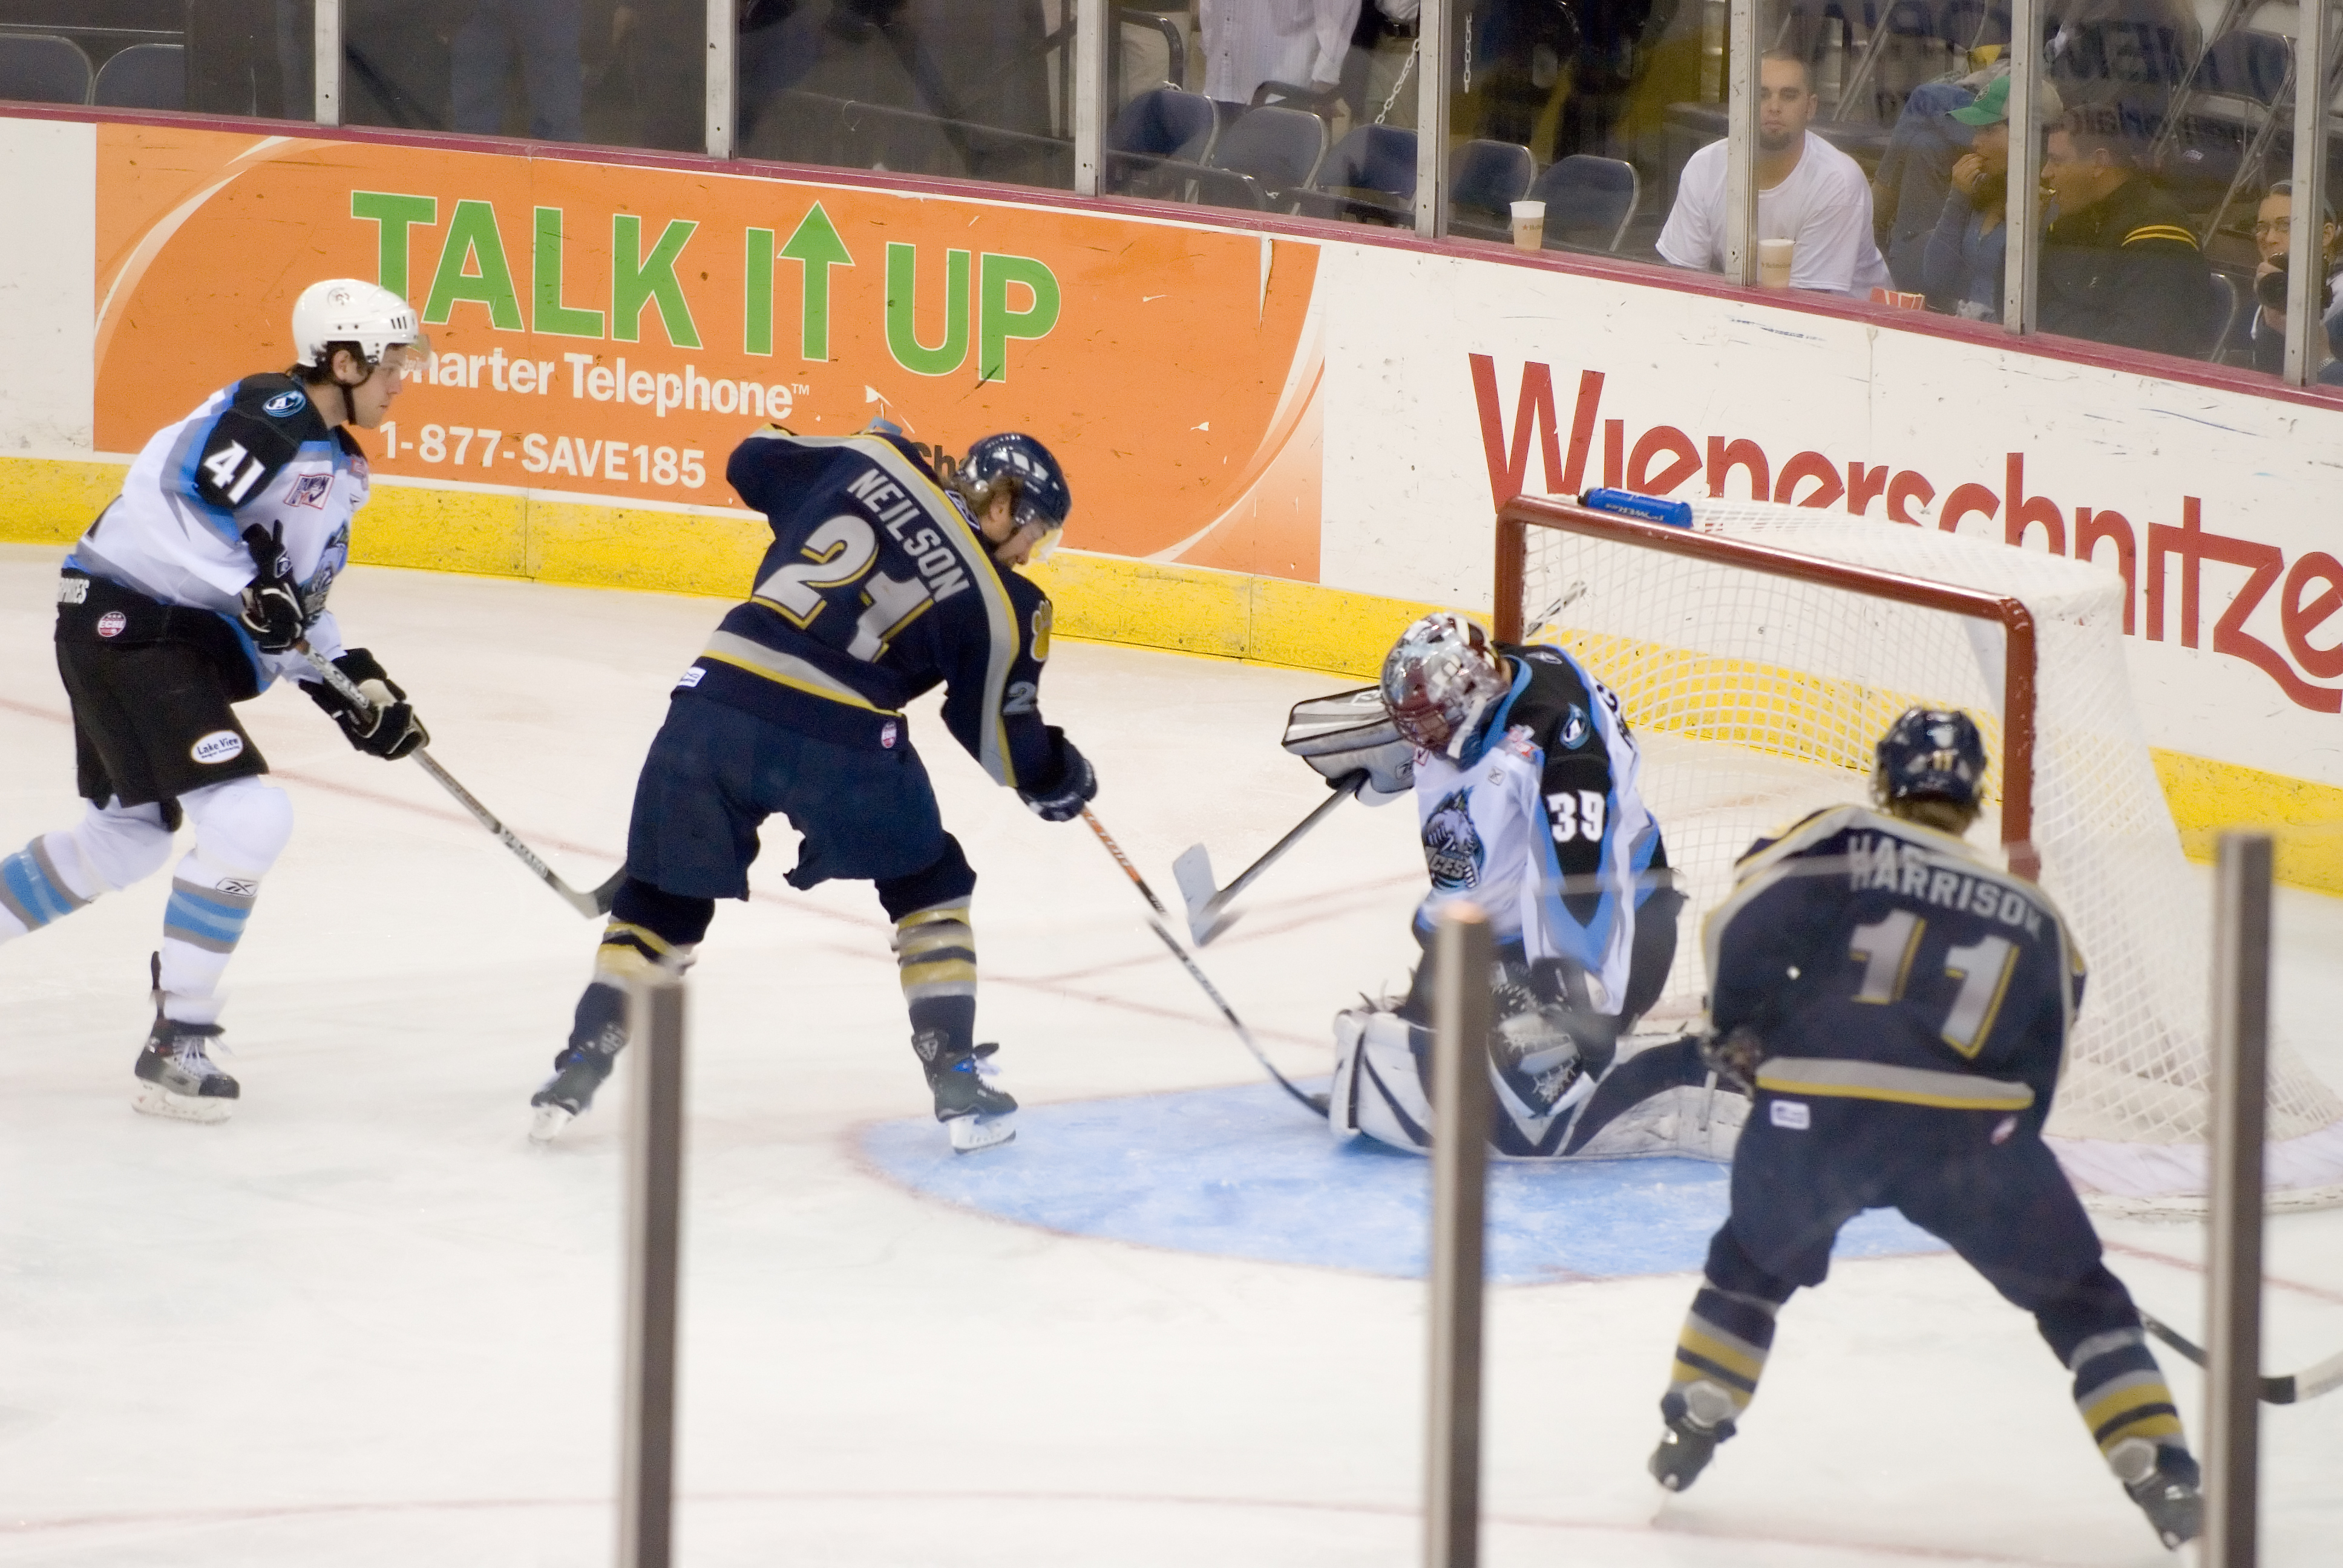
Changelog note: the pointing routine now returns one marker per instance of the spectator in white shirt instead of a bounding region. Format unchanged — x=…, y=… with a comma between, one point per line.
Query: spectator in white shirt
x=1807, y=191
x=1249, y=41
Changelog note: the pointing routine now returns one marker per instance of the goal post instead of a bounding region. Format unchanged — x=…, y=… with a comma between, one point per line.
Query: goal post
x=1759, y=654
x=2015, y=622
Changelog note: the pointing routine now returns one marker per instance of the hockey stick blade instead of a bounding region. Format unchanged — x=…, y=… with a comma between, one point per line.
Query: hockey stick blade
x=2291, y=1388
x=1207, y=906
x=591, y=905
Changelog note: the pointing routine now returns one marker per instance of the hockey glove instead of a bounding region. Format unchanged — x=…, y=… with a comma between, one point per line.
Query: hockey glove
x=271, y=606
x=1076, y=785
x=388, y=728
x=1735, y=1056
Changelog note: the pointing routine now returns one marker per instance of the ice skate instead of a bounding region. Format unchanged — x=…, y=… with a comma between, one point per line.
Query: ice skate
x=176, y=1076
x=578, y=1072
x=2168, y=1493
x=975, y=1114
x=1687, y=1445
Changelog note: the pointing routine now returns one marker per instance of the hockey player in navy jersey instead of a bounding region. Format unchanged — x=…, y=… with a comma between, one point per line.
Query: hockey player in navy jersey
x=1526, y=784
x=1900, y=1007
x=883, y=581
x=195, y=588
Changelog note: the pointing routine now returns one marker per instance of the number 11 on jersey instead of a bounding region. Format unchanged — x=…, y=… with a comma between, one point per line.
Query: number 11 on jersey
x=1886, y=948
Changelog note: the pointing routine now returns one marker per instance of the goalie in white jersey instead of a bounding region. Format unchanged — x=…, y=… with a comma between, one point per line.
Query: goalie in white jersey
x=195, y=588
x=1526, y=786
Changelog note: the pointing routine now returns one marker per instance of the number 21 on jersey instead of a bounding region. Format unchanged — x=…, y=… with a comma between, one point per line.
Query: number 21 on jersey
x=1886, y=948
x=836, y=556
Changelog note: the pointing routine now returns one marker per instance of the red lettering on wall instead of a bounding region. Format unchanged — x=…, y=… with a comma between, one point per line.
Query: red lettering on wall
x=1809, y=466
x=1662, y=440
x=1614, y=452
x=2026, y=510
x=1863, y=485
x=1507, y=469
x=2264, y=562
x=2301, y=619
x=2090, y=528
x=1964, y=499
x=1903, y=491
x=1723, y=457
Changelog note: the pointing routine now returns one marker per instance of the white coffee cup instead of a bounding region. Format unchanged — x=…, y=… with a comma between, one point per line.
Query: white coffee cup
x=1774, y=259
x=1529, y=226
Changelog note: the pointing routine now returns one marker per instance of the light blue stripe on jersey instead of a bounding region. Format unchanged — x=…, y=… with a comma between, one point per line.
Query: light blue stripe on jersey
x=214, y=921
x=188, y=454
x=33, y=895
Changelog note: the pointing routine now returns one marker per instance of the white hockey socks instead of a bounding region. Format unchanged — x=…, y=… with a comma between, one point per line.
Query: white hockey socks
x=241, y=827
x=109, y=849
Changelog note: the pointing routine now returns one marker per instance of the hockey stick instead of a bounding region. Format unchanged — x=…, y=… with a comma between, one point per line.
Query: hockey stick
x=590, y=905
x=2291, y=1388
x=1316, y=1102
x=1193, y=869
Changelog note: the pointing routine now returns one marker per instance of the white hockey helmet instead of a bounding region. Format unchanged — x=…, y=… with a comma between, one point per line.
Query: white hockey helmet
x=350, y=310
x=1440, y=680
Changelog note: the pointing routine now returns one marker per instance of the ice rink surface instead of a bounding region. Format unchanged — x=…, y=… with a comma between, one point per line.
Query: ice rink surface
x=364, y=1322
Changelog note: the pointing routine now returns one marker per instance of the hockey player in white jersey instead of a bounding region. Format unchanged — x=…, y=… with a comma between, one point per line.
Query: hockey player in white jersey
x=197, y=588
x=1527, y=787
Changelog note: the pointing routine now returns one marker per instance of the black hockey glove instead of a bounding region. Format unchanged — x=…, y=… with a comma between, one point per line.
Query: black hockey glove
x=271, y=608
x=1076, y=785
x=1735, y=1056
x=388, y=728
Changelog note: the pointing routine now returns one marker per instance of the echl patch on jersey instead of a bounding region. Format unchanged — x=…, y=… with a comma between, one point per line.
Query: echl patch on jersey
x=1521, y=743
x=1453, y=850
x=310, y=490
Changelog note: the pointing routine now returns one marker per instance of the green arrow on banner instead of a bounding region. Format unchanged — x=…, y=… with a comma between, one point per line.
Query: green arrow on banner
x=816, y=245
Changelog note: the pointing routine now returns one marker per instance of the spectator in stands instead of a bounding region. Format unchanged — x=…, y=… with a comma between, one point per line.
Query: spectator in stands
x=1915, y=172
x=543, y=36
x=1249, y=41
x=1963, y=265
x=1380, y=67
x=2273, y=234
x=1807, y=191
x=2119, y=265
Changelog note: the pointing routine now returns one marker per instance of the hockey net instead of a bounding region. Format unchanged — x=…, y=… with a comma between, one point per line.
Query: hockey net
x=1759, y=656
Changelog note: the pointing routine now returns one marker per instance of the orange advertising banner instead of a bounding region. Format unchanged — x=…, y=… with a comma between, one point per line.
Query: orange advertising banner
x=611, y=331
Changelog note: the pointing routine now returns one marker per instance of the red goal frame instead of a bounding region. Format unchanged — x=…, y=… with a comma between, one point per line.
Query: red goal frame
x=1522, y=513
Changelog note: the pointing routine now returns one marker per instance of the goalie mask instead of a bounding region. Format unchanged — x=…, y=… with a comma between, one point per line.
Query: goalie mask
x=1441, y=679
x=1935, y=752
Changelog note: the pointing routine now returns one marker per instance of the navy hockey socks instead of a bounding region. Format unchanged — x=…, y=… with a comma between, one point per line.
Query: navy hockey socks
x=1720, y=1355
x=935, y=958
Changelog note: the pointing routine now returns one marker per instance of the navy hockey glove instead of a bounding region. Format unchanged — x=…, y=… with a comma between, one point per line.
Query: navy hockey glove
x=1076, y=785
x=388, y=727
x=271, y=606
x=1735, y=1056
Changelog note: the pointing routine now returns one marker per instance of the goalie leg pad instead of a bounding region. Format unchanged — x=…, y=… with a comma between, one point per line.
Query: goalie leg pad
x=1378, y=1087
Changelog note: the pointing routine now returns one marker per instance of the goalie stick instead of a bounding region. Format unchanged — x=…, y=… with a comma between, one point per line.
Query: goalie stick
x=2292, y=1388
x=1316, y=1102
x=589, y=904
x=1208, y=906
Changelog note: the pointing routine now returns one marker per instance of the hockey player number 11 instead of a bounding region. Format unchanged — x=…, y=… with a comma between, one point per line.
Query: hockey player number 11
x=1885, y=948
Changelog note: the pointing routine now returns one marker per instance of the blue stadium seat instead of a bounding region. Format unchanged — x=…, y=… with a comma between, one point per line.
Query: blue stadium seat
x=144, y=76
x=42, y=68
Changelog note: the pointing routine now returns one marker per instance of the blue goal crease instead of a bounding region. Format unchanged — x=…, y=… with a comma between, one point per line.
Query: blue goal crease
x=1236, y=1172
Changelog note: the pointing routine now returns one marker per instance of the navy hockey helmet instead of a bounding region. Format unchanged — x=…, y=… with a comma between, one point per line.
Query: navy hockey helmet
x=1930, y=751
x=1037, y=485
x=1441, y=678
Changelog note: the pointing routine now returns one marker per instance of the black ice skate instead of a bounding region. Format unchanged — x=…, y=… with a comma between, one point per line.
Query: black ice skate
x=973, y=1112
x=1687, y=1445
x=584, y=1064
x=176, y=1076
x=2168, y=1493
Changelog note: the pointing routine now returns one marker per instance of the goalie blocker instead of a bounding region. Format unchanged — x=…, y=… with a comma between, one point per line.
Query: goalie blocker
x=1527, y=783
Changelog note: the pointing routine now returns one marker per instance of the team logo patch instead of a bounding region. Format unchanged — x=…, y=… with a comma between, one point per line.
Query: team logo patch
x=690, y=678
x=310, y=490
x=111, y=623
x=1453, y=850
x=219, y=746
x=1794, y=1114
x=285, y=403
x=1041, y=622
x=358, y=465
x=887, y=733
x=1574, y=729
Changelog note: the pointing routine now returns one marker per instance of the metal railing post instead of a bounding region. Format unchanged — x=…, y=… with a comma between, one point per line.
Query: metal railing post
x=325, y=67
x=1092, y=37
x=1435, y=35
x=2233, y=1310
x=2306, y=258
x=1741, y=144
x=2022, y=212
x=723, y=80
x=1460, y=1163
x=654, y=1257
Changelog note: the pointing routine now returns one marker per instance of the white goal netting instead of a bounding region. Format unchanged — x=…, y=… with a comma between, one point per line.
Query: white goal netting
x=1757, y=698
